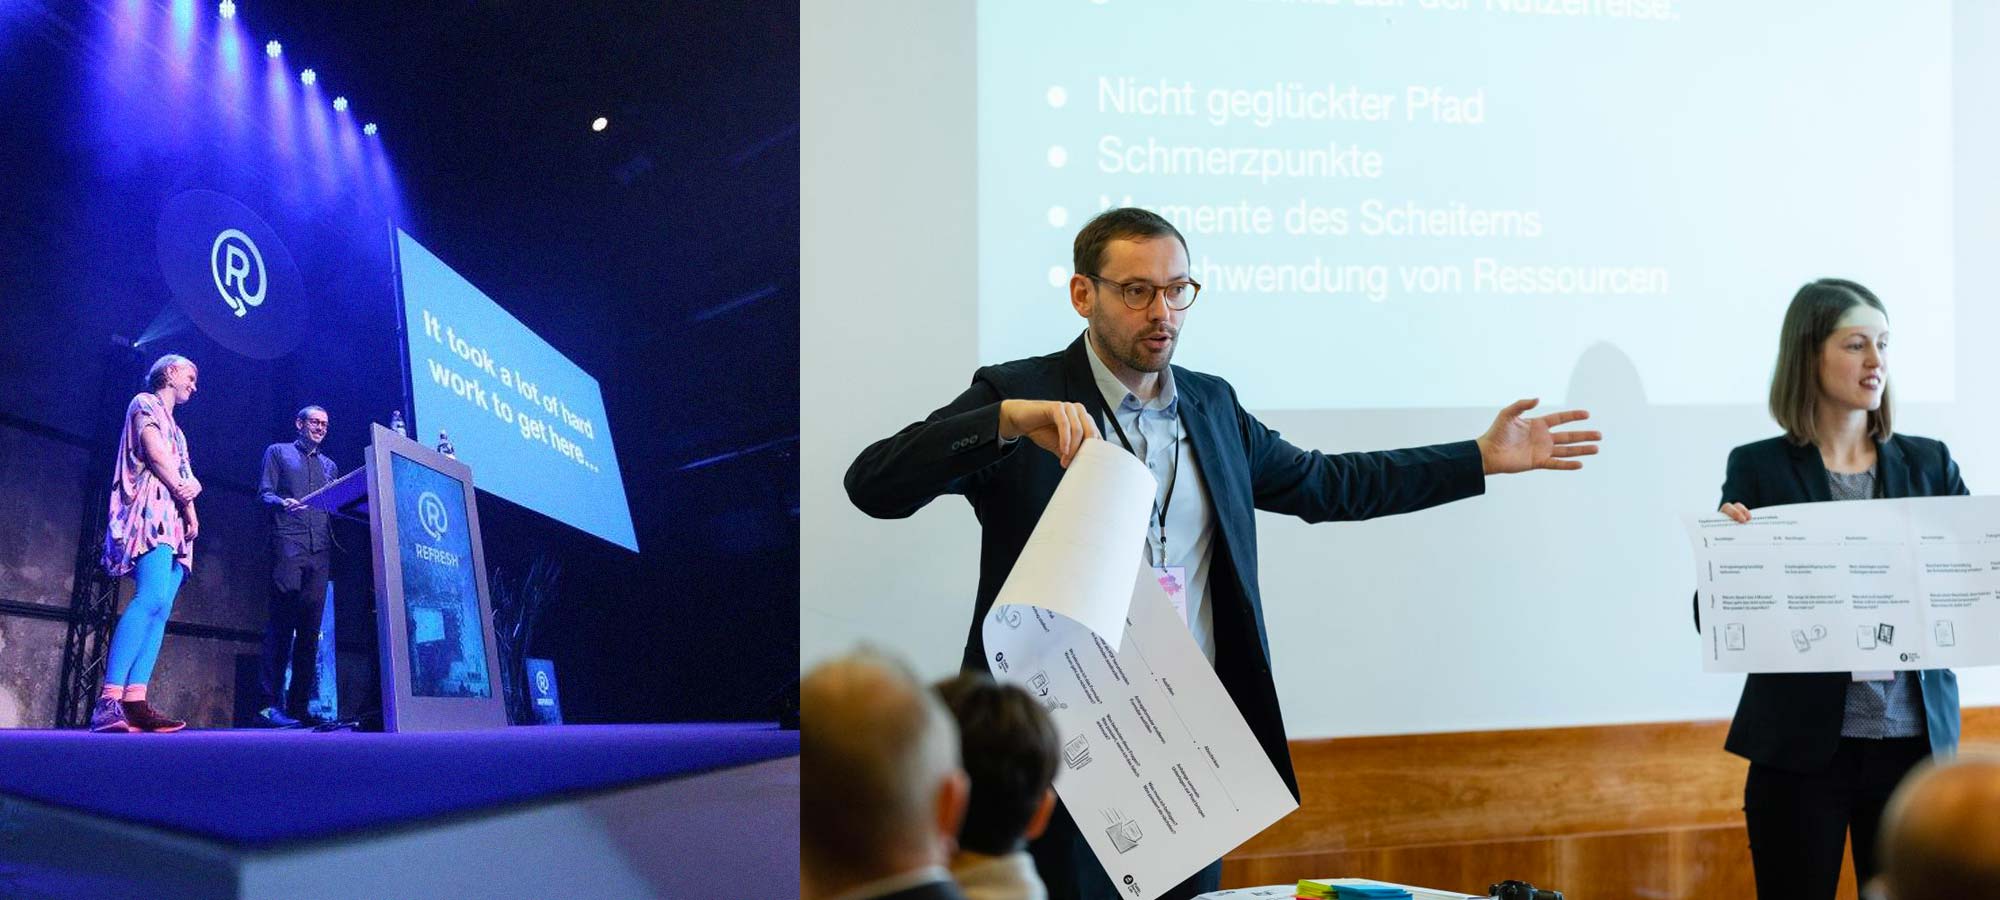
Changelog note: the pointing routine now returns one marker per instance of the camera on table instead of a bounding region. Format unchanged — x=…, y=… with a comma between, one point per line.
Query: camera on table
x=1521, y=890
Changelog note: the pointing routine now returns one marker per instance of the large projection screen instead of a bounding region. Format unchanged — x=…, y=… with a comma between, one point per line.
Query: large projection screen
x=1738, y=149
x=529, y=422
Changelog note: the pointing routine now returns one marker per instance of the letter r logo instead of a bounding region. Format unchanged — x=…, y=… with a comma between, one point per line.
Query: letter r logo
x=238, y=270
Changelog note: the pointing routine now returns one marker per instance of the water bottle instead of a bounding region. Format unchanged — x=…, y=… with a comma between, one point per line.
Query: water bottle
x=396, y=423
x=445, y=447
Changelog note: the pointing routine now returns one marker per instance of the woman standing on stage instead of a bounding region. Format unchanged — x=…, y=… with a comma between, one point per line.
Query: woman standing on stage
x=151, y=537
x=1827, y=748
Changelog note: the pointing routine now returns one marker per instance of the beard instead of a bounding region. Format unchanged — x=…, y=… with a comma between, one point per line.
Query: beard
x=1129, y=352
x=1134, y=355
x=1138, y=360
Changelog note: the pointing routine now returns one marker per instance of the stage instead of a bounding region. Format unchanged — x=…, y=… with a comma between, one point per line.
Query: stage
x=564, y=811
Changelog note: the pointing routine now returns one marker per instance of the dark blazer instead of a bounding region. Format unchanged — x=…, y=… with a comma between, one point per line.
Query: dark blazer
x=1247, y=467
x=1792, y=720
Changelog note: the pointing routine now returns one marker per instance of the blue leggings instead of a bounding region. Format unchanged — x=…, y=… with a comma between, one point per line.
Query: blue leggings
x=135, y=645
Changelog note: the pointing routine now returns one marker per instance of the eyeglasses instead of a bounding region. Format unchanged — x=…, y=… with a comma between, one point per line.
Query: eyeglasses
x=1139, y=294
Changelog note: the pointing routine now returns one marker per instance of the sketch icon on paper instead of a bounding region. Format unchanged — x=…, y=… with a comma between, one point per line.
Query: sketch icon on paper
x=1039, y=682
x=1124, y=832
x=1076, y=753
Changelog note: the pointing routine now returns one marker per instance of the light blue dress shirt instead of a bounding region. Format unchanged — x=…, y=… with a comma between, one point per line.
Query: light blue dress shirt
x=1161, y=441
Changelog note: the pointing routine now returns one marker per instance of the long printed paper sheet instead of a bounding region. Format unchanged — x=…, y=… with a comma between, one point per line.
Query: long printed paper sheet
x=1863, y=585
x=1159, y=769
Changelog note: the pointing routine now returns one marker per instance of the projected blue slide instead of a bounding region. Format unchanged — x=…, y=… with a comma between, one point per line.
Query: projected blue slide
x=528, y=421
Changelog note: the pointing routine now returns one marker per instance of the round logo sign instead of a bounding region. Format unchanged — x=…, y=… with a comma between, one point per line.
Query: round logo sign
x=231, y=274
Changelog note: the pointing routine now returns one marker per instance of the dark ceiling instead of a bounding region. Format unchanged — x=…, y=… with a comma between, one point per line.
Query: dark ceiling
x=660, y=254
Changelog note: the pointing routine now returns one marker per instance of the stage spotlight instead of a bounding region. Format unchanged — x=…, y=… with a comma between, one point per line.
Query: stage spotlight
x=340, y=104
x=273, y=48
x=368, y=129
x=307, y=77
x=228, y=9
x=599, y=123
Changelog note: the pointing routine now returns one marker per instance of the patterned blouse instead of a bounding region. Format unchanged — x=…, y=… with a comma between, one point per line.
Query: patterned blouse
x=143, y=514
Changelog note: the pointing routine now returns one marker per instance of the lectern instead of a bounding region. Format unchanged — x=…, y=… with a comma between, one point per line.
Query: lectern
x=440, y=665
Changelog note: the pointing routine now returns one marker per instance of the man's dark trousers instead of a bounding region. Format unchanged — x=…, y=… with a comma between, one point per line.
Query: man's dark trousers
x=291, y=637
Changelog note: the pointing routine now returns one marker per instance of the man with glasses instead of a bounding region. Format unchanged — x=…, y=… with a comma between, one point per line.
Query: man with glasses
x=302, y=559
x=1215, y=464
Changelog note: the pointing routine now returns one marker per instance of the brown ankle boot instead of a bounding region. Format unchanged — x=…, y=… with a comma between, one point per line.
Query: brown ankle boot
x=143, y=717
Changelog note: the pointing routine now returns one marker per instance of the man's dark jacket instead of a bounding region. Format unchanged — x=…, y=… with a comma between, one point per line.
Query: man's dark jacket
x=1247, y=467
x=287, y=472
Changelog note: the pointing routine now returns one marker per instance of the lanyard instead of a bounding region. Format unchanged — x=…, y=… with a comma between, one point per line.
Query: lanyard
x=1173, y=475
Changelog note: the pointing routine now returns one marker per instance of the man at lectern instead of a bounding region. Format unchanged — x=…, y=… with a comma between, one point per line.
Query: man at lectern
x=301, y=560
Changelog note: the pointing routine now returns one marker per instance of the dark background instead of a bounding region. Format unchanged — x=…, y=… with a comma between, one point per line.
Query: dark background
x=661, y=255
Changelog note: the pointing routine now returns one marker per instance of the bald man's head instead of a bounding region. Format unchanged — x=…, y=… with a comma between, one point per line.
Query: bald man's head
x=881, y=791
x=1941, y=832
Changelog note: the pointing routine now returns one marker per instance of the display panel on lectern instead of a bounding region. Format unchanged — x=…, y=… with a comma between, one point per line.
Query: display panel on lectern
x=435, y=621
x=447, y=645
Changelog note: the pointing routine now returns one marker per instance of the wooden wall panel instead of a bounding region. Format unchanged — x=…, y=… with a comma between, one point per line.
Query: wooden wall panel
x=1605, y=812
x=1643, y=860
x=1709, y=862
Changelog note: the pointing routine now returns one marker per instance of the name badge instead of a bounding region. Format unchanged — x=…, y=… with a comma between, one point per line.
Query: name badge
x=1173, y=580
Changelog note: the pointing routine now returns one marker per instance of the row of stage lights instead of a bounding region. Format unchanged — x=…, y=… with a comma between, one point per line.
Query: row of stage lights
x=307, y=77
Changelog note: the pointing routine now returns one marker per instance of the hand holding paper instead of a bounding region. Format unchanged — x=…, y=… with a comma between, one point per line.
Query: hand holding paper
x=1060, y=428
x=1160, y=771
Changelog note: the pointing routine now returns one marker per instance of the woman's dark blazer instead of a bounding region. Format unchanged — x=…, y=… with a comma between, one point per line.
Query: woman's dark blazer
x=1793, y=720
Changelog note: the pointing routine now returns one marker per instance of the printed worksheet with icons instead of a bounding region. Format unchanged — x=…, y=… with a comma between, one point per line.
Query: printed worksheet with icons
x=1160, y=771
x=1866, y=586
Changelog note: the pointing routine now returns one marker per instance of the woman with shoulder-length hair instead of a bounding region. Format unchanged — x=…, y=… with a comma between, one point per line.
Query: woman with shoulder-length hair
x=151, y=537
x=1827, y=748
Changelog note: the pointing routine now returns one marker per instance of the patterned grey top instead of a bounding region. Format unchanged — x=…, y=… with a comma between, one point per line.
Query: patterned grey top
x=1877, y=709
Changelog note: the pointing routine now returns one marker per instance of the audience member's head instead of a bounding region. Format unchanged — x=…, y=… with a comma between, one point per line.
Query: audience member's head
x=881, y=792
x=1010, y=750
x=1941, y=832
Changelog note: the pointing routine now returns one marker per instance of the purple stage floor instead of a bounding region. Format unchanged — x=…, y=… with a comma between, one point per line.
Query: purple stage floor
x=260, y=788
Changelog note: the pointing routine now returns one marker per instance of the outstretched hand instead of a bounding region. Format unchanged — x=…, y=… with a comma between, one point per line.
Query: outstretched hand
x=1517, y=443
